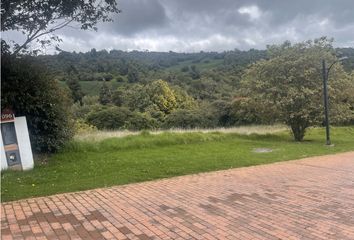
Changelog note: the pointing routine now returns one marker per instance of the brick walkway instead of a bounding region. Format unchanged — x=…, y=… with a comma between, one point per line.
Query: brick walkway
x=306, y=199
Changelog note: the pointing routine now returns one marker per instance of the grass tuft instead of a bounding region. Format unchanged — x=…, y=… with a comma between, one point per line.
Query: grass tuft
x=245, y=130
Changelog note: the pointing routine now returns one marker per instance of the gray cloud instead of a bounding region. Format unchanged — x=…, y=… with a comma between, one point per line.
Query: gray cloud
x=209, y=25
x=137, y=16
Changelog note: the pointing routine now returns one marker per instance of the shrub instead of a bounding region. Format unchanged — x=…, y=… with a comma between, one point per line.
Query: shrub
x=105, y=96
x=119, y=97
x=89, y=104
x=27, y=89
x=109, y=118
x=90, y=100
x=142, y=121
x=155, y=113
x=185, y=69
x=183, y=118
x=221, y=111
x=82, y=127
x=243, y=111
x=75, y=88
x=120, y=79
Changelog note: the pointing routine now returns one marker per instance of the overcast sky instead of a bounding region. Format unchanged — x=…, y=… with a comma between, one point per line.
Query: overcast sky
x=215, y=25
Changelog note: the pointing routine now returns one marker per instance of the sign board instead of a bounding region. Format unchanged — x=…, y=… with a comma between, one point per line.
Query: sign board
x=7, y=115
x=15, y=145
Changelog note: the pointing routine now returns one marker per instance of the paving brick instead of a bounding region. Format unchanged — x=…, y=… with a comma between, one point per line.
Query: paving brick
x=311, y=198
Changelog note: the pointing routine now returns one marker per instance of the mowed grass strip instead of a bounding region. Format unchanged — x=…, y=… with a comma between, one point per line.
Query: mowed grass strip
x=85, y=165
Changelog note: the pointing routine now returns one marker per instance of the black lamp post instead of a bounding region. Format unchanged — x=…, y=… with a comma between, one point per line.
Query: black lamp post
x=325, y=72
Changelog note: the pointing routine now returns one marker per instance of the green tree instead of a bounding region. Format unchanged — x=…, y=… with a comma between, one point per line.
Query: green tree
x=245, y=111
x=141, y=121
x=89, y=103
x=190, y=118
x=137, y=98
x=194, y=72
x=288, y=86
x=109, y=118
x=26, y=85
x=27, y=89
x=156, y=96
x=221, y=111
x=161, y=95
x=105, y=94
x=133, y=74
x=183, y=100
x=75, y=88
x=36, y=19
x=184, y=69
x=118, y=97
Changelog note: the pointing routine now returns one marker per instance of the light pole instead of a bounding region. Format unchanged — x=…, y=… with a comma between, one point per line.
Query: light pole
x=325, y=73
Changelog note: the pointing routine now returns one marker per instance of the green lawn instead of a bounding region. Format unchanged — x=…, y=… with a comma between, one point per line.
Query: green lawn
x=86, y=165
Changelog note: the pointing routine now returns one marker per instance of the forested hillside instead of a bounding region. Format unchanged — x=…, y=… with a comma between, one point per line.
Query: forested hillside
x=143, y=90
x=204, y=75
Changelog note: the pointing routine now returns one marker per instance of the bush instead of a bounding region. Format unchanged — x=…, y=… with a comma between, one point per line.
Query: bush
x=110, y=118
x=27, y=89
x=221, y=111
x=119, y=97
x=120, y=79
x=185, y=69
x=183, y=118
x=82, y=127
x=243, y=111
x=89, y=104
x=142, y=121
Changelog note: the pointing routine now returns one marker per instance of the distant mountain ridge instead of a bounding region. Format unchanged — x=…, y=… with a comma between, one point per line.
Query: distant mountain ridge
x=216, y=73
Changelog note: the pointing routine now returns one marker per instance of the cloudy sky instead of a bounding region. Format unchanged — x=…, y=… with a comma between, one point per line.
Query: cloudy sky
x=215, y=25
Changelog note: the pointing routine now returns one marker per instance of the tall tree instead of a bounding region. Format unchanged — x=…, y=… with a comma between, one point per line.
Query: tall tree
x=133, y=74
x=105, y=94
x=162, y=96
x=75, y=88
x=288, y=86
x=36, y=19
x=74, y=85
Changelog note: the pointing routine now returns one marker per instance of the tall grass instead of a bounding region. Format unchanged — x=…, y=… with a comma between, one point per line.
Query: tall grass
x=110, y=142
x=244, y=130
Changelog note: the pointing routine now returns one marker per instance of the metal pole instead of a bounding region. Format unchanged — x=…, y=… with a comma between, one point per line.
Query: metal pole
x=325, y=100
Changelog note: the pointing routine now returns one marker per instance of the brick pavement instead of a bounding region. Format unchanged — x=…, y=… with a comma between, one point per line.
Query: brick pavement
x=311, y=198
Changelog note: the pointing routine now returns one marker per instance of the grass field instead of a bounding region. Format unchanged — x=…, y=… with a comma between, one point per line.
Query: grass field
x=86, y=164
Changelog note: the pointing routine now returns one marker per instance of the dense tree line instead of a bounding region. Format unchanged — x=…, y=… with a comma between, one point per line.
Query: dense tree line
x=205, y=90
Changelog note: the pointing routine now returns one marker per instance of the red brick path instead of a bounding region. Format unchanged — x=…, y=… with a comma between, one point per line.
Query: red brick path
x=306, y=199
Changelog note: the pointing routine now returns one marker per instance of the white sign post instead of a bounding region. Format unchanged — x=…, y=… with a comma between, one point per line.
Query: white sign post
x=15, y=145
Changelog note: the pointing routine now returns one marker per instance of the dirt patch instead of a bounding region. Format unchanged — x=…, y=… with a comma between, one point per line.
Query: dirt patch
x=262, y=150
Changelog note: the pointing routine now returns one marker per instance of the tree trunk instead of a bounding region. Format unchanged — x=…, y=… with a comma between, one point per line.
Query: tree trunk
x=298, y=132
